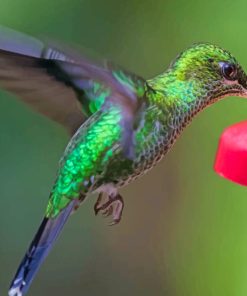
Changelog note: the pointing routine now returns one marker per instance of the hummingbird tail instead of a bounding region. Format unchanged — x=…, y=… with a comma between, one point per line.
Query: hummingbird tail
x=38, y=250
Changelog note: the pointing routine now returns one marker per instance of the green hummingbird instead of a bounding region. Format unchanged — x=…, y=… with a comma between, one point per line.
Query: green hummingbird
x=121, y=125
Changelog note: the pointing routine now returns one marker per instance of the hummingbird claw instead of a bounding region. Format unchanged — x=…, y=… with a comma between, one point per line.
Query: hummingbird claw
x=98, y=205
x=113, y=206
x=114, y=222
x=107, y=212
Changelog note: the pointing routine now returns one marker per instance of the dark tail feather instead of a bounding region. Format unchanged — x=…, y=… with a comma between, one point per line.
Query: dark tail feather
x=38, y=250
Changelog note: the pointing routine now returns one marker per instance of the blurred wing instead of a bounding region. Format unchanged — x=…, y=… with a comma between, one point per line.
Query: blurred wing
x=22, y=73
x=64, y=86
x=25, y=77
x=110, y=86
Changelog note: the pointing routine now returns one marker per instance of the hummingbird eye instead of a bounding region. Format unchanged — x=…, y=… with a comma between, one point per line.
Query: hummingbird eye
x=229, y=71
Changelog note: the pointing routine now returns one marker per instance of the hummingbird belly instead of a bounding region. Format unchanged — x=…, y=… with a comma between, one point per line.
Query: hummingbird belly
x=121, y=172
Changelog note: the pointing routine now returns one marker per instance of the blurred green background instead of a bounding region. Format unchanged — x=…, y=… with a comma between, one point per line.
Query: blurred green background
x=184, y=229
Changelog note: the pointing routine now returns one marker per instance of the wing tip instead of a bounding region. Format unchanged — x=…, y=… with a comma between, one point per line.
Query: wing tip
x=20, y=43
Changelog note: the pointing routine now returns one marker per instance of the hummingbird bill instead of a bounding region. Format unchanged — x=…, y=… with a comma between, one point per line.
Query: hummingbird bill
x=121, y=125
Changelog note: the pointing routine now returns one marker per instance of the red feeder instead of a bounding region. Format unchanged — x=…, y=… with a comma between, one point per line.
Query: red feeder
x=231, y=158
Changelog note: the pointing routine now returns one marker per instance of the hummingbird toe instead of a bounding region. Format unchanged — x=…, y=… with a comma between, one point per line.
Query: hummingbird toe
x=98, y=204
x=108, y=212
x=113, y=206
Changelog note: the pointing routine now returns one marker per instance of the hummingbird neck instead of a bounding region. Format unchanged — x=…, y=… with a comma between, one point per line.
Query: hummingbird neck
x=184, y=96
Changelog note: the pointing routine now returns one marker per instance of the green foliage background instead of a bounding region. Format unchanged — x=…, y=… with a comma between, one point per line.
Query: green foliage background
x=184, y=230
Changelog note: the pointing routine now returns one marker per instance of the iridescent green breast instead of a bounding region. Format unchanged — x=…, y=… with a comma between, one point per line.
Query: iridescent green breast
x=160, y=126
x=157, y=131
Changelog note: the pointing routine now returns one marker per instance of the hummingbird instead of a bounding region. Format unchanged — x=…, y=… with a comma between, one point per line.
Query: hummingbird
x=121, y=125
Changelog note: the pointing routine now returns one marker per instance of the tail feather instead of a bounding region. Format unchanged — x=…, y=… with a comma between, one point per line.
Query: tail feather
x=38, y=250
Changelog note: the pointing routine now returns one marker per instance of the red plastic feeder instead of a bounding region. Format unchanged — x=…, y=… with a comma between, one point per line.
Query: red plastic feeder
x=231, y=157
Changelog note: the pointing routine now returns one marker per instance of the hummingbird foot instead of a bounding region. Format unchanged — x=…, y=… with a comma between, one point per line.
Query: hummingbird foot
x=113, y=206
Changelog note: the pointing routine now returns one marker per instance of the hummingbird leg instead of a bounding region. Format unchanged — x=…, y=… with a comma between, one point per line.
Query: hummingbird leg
x=118, y=205
x=113, y=206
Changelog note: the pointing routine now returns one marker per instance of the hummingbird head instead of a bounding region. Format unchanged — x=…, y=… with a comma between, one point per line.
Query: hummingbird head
x=214, y=71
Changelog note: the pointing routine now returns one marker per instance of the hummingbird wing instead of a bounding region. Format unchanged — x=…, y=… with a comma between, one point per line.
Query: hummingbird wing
x=22, y=75
x=62, y=85
x=85, y=161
